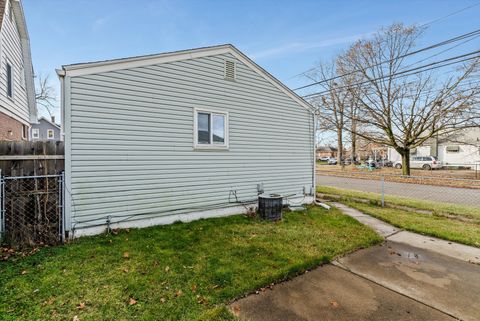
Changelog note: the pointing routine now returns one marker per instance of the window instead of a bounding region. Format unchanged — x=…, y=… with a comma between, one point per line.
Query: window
x=453, y=149
x=50, y=134
x=211, y=129
x=9, y=80
x=24, y=131
x=35, y=133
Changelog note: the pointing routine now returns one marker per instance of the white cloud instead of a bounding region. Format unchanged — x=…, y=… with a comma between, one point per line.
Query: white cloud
x=305, y=46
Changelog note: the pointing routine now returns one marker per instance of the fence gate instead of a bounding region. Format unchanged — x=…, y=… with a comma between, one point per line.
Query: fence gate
x=32, y=210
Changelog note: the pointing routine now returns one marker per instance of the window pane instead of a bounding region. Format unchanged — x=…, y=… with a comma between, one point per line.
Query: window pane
x=203, y=128
x=9, y=81
x=218, y=129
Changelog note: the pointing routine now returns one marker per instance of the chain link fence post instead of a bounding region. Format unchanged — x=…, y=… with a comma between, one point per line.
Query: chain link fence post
x=2, y=208
x=383, y=190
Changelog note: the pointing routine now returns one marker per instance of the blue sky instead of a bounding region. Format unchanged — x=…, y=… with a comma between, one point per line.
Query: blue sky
x=284, y=37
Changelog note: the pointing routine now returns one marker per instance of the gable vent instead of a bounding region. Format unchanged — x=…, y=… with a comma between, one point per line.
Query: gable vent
x=230, y=70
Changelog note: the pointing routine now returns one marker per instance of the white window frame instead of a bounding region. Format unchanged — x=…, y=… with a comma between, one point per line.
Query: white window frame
x=35, y=133
x=11, y=79
x=48, y=134
x=210, y=146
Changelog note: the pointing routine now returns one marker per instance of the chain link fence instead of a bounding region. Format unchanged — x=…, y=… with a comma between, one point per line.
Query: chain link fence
x=32, y=210
x=435, y=188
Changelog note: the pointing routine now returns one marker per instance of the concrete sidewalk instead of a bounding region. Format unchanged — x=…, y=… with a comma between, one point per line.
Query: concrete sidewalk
x=452, y=249
x=409, y=277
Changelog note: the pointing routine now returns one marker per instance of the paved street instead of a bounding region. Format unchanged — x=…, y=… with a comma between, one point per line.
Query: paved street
x=454, y=195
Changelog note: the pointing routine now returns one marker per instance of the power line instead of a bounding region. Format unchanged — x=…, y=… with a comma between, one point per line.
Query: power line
x=409, y=72
x=421, y=26
x=450, y=14
x=436, y=45
x=443, y=51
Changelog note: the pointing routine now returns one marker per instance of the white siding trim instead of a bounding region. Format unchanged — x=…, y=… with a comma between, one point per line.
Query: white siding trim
x=128, y=63
x=69, y=209
x=163, y=220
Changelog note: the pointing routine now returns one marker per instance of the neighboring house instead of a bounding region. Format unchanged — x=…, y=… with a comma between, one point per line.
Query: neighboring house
x=46, y=130
x=326, y=151
x=366, y=150
x=17, y=93
x=180, y=136
x=459, y=148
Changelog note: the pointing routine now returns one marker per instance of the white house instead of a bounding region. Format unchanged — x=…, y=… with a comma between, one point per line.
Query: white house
x=180, y=136
x=17, y=93
x=459, y=148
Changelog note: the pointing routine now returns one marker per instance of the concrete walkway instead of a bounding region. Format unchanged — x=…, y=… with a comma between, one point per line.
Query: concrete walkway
x=455, y=250
x=408, y=277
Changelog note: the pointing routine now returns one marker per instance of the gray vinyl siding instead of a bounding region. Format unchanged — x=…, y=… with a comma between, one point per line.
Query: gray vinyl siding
x=43, y=126
x=131, y=140
x=11, y=52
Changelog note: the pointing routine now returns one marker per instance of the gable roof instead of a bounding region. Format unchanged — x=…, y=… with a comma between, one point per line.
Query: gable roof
x=48, y=121
x=21, y=24
x=88, y=68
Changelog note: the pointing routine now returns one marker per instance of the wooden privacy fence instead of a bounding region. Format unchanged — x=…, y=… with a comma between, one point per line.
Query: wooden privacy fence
x=22, y=158
x=31, y=192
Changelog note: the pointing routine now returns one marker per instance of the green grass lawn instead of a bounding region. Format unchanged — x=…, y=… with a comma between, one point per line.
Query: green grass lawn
x=439, y=208
x=466, y=232
x=184, y=271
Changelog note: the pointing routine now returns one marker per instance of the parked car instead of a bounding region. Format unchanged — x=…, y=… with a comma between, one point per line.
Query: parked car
x=387, y=163
x=423, y=162
x=332, y=161
x=324, y=158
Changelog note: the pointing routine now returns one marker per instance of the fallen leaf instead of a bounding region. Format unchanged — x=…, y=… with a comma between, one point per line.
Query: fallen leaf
x=194, y=288
x=81, y=306
x=24, y=272
x=125, y=270
x=132, y=301
x=334, y=304
x=167, y=269
x=236, y=311
x=178, y=293
x=126, y=255
x=76, y=318
x=162, y=300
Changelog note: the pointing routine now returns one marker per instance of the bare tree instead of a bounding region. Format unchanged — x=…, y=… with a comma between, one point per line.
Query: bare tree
x=403, y=112
x=45, y=95
x=332, y=106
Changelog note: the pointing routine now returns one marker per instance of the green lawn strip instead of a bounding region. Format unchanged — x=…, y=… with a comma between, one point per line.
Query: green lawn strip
x=433, y=225
x=452, y=209
x=184, y=271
